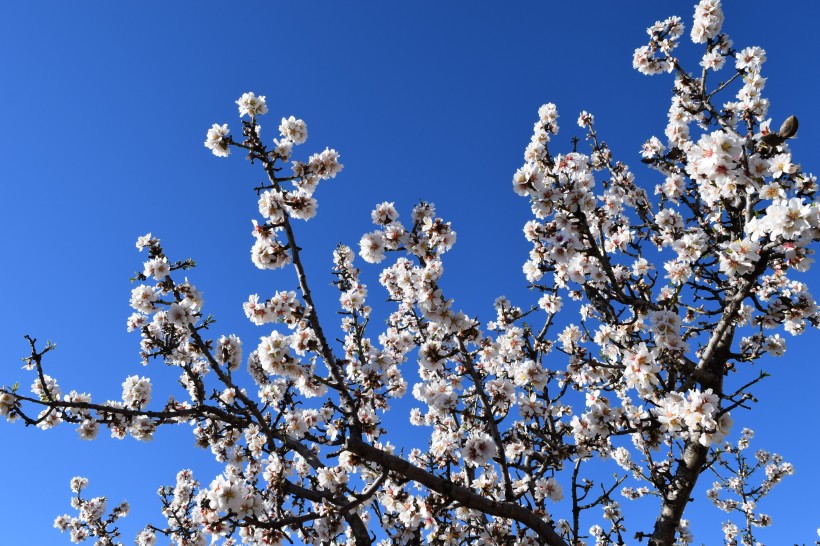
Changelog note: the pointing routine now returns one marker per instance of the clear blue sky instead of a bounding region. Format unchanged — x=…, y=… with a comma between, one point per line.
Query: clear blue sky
x=105, y=107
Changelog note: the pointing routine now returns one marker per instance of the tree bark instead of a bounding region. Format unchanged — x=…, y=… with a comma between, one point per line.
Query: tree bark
x=675, y=500
x=694, y=455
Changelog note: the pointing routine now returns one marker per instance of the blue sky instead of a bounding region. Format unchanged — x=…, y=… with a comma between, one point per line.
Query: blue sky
x=106, y=105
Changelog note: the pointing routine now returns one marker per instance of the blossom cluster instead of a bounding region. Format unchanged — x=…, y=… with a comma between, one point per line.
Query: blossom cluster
x=734, y=492
x=91, y=520
x=429, y=237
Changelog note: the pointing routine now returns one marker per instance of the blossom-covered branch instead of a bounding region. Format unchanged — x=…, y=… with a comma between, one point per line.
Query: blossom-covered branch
x=676, y=293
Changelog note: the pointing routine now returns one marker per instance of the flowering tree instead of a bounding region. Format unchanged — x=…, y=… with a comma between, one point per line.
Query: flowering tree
x=677, y=294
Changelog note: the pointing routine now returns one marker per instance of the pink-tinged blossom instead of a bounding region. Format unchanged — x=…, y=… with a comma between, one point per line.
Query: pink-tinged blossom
x=229, y=351
x=585, y=119
x=217, y=140
x=739, y=257
x=48, y=419
x=143, y=298
x=269, y=254
x=146, y=537
x=527, y=180
x=46, y=388
x=274, y=357
x=641, y=370
x=136, y=321
x=271, y=206
x=789, y=218
x=230, y=495
x=645, y=62
x=781, y=164
x=652, y=147
x=250, y=105
x=677, y=272
x=145, y=241
x=666, y=326
x=548, y=488
x=775, y=345
x=479, y=449
x=530, y=374
x=548, y=113
x=136, y=391
x=695, y=416
x=282, y=307
x=708, y=20
x=440, y=394
x=332, y=479
x=325, y=164
x=751, y=58
x=142, y=428
x=300, y=205
x=713, y=60
x=302, y=340
x=7, y=402
x=372, y=247
x=180, y=315
x=88, y=429
x=550, y=303
x=353, y=299
x=384, y=214
x=78, y=483
x=294, y=130
x=282, y=149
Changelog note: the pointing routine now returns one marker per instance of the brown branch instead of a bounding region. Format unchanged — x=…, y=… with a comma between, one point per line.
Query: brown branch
x=487, y=417
x=457, y=493
x=343, y=509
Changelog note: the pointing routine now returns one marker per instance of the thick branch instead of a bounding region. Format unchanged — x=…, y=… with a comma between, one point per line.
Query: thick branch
x=457, y=493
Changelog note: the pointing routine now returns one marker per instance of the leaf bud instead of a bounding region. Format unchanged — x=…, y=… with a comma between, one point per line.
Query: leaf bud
x=789, y=128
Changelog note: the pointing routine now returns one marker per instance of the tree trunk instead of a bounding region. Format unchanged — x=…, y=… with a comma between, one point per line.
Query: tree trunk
x=680, y=490
x=694, y=455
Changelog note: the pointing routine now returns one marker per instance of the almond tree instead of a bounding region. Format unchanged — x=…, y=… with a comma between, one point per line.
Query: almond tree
x=679, y=290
